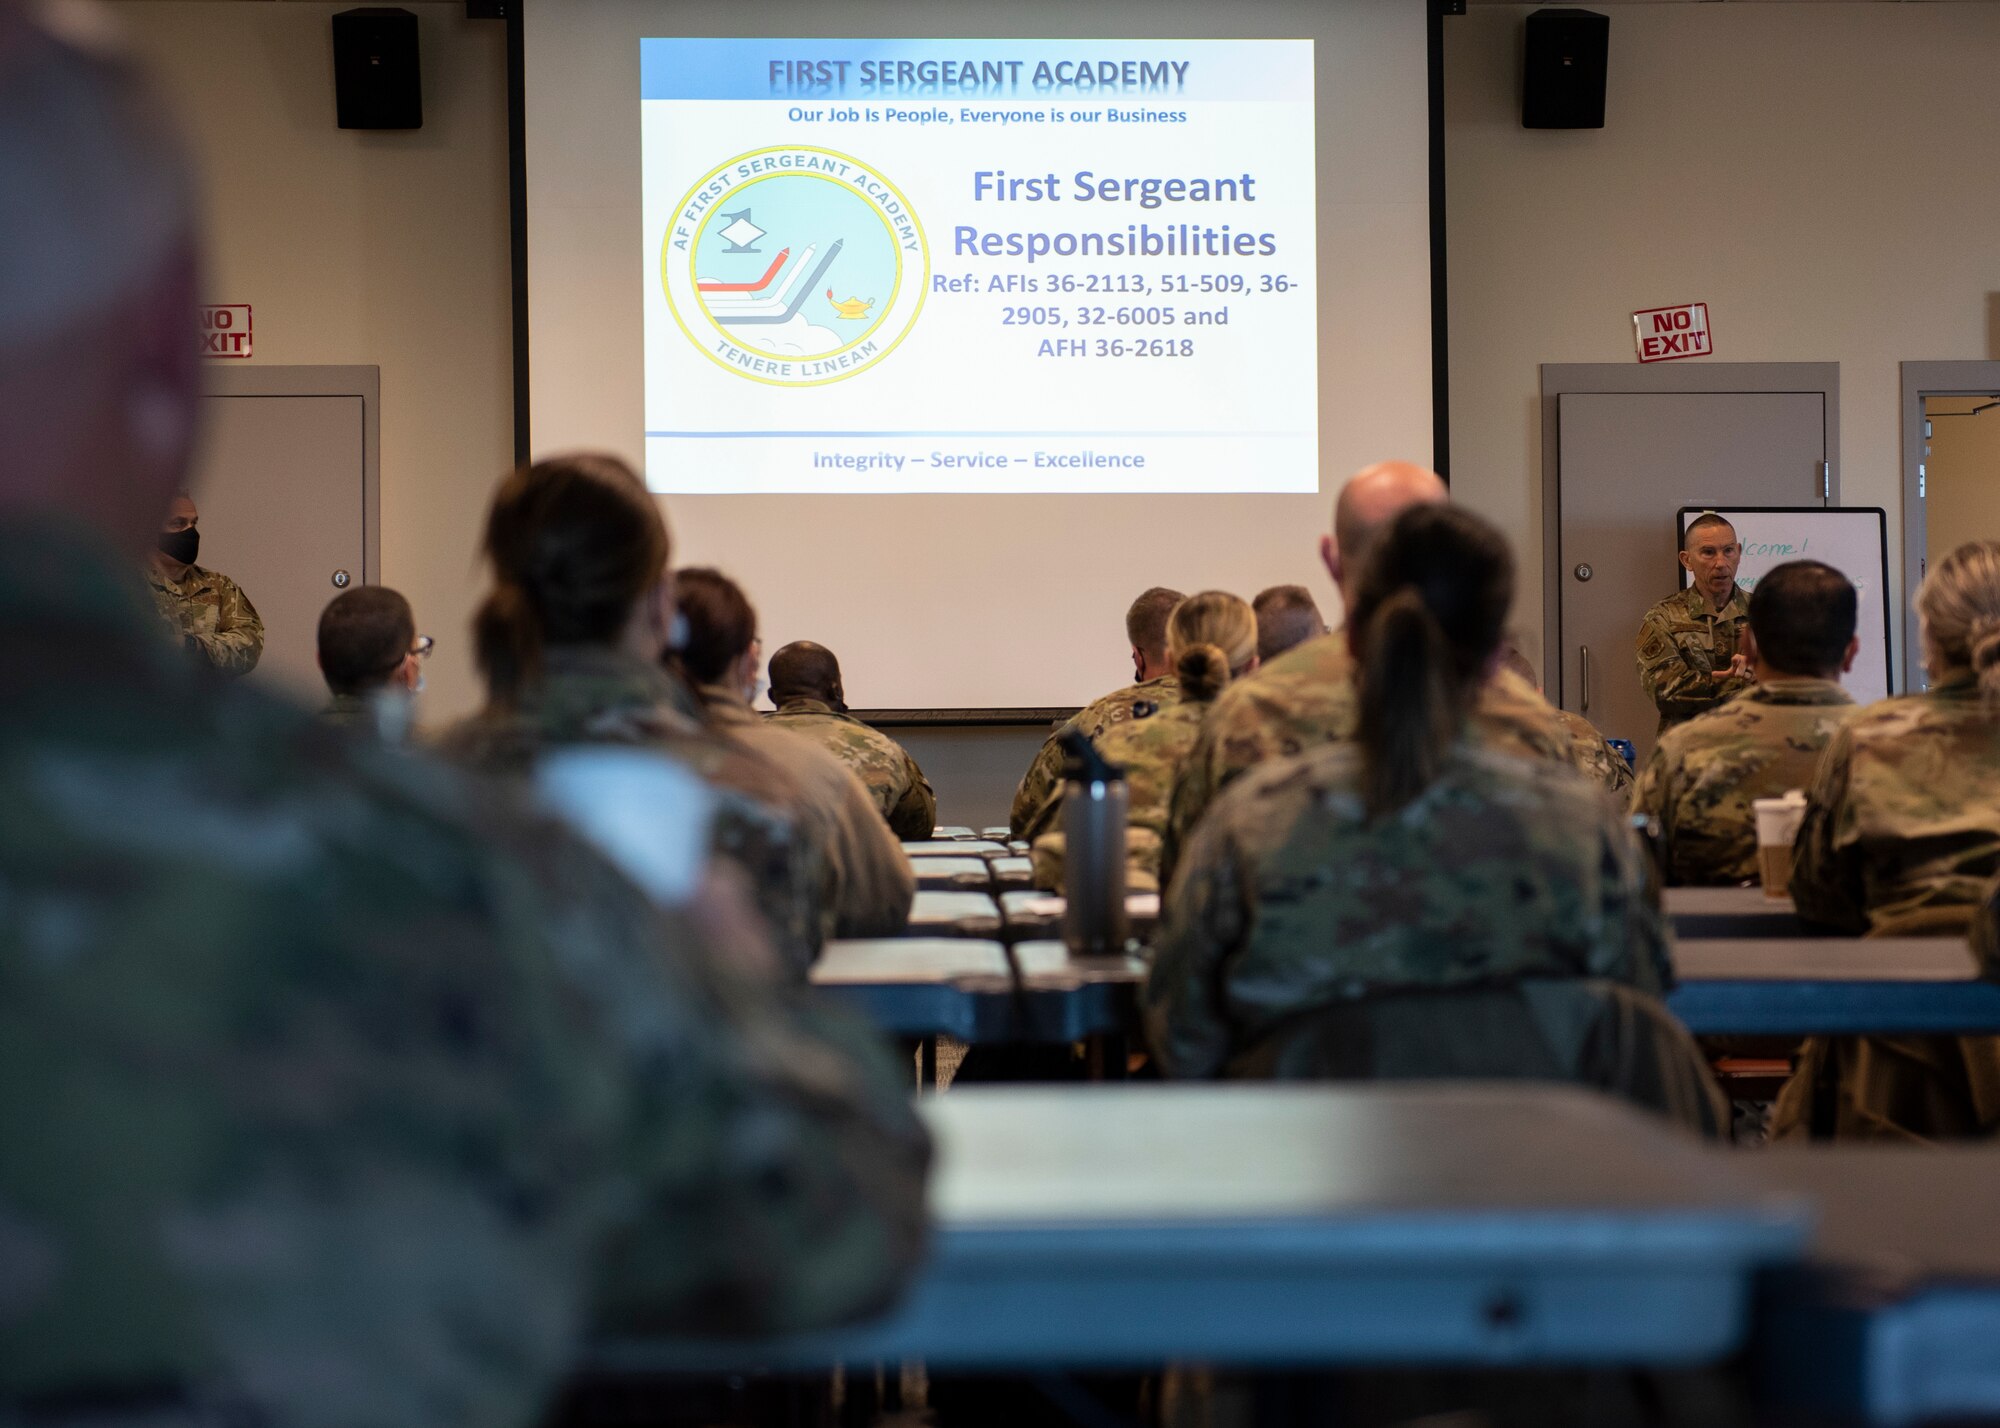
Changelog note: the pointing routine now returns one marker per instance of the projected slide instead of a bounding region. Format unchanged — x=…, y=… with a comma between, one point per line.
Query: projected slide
x=979, y=265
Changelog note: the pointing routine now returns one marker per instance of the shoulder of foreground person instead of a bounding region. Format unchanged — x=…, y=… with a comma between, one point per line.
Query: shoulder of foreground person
x=356, y=960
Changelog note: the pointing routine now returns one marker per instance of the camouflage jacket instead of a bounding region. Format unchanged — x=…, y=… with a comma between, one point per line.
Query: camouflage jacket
x=384, y=714
x=334, y=1081
x=1151, y=751
x=1682, y=643
x=1306, y=697
x=595, y=695
x=209, y=613
x=1592, y=754
x=1045, y=773
x=1291, y=897
x=869, y=883
x=885, y=767
x=1704, y=774
x=1904, y=813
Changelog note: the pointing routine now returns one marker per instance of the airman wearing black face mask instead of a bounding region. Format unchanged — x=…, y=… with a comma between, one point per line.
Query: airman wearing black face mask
x=206, y=610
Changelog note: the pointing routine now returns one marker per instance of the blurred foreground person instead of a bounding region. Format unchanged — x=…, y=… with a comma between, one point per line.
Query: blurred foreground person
x=333, y=1089
x=1211, y=639
x=1705, y=776
x=870, y=885
x=1153, y=687
x=806, y=688
x=371, y=657
x=1461, y=891
x=204, y=609
x=1900, y=839
x=1306, y=697
x=569, y=641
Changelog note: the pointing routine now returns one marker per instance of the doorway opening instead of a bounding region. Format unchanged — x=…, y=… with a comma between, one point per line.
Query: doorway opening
x=1951, y=474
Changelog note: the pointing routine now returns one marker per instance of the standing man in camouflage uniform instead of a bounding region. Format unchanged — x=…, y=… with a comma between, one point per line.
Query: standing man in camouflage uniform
x=1305, y=697
x=334, y=1089
x=805, y=685
x=1153, y=689
x=1690, y=656
x=1704, y=775
x=206, y=610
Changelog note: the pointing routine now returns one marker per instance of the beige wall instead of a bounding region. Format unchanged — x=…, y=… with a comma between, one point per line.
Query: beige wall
x=1961, y=475
x=1821, y=175
x=385, y=249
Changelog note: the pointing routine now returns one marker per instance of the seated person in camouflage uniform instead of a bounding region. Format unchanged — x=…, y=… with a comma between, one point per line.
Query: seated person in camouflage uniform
x=1704, y=775
x=1287, y=615
x=1901, y=837
x=338, y=1089
x=569, y=641
x=204, y=609
x=1305, y=697
x=1590, y=750
x=1411, y=857
x=371, y=657
x=1690, y=655
x=870, y=885
x=1153, y=688
x=806, y=688
x=1211, y=639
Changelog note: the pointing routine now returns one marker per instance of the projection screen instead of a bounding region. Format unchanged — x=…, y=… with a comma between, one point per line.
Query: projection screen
x=948, y=331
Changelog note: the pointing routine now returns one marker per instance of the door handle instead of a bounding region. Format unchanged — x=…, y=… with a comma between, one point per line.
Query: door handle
x=1583, y=664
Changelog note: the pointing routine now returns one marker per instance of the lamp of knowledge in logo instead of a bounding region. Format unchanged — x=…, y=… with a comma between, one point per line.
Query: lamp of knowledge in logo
x=795, y=266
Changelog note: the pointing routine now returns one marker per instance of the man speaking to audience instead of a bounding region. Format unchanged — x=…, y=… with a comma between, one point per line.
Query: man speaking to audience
x=1689, y=658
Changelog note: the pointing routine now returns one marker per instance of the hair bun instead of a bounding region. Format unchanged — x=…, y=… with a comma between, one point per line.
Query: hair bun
x=1203, y=670
x=1984, y=645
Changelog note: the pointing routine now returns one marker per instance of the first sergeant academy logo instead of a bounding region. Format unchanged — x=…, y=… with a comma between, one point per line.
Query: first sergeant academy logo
x=795, y=266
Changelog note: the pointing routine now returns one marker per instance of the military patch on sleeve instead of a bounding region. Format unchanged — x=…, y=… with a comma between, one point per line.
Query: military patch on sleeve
x=1144, y=709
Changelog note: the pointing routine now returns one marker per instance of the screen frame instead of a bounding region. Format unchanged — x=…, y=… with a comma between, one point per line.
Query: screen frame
x=517, y=223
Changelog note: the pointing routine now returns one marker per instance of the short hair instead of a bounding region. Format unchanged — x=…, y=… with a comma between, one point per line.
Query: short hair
x=1802, y=614
x=1287, y=615
x=99, y=191
x=1706, y=518
x=721, y=623
x=364, y=633
x=1146, y=621
x=804, y=670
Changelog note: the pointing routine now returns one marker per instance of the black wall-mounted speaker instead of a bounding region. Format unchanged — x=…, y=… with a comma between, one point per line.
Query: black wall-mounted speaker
x=1562, y=80
x=377, y=83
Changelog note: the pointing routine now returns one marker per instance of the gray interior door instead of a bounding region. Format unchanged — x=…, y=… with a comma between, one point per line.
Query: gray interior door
x=1628, y=462
x=282, y=489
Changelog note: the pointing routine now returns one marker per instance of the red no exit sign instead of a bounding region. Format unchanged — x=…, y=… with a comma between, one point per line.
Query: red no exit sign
x=1664, y=334
x=225, y=330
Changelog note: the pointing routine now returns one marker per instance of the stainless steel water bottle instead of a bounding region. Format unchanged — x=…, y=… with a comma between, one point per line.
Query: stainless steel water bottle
x=1094, y=803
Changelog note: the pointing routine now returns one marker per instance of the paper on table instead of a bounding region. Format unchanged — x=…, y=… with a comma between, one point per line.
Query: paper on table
x=1136, y=905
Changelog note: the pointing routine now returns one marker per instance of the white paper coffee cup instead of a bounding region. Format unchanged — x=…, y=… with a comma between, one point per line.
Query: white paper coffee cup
x=1778, y=822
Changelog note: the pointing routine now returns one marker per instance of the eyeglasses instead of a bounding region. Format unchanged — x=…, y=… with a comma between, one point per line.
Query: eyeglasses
x=423, y=647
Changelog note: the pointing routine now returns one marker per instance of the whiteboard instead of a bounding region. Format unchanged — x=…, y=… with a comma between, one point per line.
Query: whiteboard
x=1853, y=540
